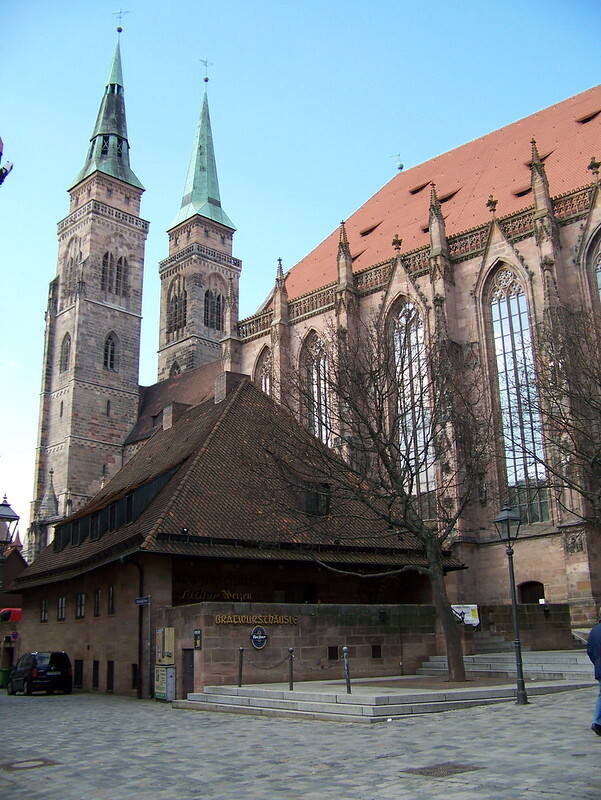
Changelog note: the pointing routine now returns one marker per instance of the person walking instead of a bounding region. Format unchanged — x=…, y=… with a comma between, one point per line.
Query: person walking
x=593, y=649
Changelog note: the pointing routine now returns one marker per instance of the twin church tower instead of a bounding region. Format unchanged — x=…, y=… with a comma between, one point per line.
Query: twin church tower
x=90, y=392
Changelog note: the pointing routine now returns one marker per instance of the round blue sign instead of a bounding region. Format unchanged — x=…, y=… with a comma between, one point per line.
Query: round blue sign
x=258, y=637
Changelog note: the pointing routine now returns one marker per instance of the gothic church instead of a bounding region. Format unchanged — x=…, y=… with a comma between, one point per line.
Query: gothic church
x=509, y=221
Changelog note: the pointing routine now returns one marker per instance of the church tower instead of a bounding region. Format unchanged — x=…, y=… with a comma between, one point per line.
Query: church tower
x=89, y=396
x=200, y=273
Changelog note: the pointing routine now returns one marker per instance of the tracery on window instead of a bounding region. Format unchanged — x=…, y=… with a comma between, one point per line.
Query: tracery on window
x=65, y=357
x=175, y=369
x=518, y=398
x=177, y=306
x=413, y=407
x=114, y=274
x=213, y=309
x=110, y=358
x=263, y=371
x=71, y=268
x=314, y=368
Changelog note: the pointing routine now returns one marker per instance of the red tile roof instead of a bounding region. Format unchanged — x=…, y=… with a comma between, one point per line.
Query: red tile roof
x=221, y=495
x=190, y=387
x=496, y=164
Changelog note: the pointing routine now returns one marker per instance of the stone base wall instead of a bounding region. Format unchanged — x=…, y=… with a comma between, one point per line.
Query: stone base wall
x=541, y=627
x=382, y=640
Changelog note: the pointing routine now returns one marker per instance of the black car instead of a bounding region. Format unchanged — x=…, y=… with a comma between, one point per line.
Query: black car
x=34, y=672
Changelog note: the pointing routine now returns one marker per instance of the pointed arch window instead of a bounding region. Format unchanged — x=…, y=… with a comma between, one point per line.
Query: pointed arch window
x=518, y=401
x=70, y=269
x=175, y=369
x=177, y=306
x=121, y=276
x=315, y=377
x=114, y=275
x=598, y=274
x=65, y=357
x=213, y=309
x=111, y=353
x=413, y=407
x=263, y=371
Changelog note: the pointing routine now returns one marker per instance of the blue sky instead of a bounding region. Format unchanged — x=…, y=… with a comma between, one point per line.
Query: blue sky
x=310, y=104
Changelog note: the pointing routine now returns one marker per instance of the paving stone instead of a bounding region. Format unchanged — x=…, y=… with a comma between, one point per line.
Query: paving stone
x=117, y=748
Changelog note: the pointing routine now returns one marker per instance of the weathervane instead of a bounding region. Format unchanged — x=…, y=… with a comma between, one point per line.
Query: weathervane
x=207, y=64
x=119, y=14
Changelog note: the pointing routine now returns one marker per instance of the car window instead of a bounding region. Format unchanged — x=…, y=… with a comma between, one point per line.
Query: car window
x=42, y=659
x=59, y=660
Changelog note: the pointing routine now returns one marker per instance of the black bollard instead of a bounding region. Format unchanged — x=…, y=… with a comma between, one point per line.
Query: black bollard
x=291, y=668
x=240, y=662
x=347, y=674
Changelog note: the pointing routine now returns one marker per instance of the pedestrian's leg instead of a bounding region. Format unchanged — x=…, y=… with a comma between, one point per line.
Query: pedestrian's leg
x=597, y=714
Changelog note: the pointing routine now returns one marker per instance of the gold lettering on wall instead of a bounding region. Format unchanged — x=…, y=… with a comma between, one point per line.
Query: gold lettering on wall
x=255, y=619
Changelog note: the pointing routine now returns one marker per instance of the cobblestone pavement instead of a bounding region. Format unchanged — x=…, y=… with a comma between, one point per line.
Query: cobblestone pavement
x=99, y=747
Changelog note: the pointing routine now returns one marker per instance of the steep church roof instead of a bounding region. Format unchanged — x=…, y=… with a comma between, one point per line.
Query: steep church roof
x=567, y=133
x=215, y=500
x=109, y=148
x=201, y=191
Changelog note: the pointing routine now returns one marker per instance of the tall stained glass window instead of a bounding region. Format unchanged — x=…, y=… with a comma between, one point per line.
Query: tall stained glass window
x=317, y=395
x=263, y=371
x=518, y=398
x=412, y=387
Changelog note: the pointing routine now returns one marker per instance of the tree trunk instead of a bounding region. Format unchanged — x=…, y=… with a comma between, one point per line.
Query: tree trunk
x=451, y=630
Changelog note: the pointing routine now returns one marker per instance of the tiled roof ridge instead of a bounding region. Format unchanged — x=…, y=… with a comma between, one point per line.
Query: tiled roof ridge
x=192, y=462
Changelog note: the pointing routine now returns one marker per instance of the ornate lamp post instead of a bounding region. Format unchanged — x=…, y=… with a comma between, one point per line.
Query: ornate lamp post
x=507, y=523
x=8, y=526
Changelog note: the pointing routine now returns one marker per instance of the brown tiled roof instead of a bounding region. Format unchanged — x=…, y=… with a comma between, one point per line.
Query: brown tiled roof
x=221, y=493
x=496, y=164
x=189, y=388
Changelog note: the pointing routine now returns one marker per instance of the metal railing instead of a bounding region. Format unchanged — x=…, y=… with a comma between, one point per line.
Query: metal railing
x=289, y=657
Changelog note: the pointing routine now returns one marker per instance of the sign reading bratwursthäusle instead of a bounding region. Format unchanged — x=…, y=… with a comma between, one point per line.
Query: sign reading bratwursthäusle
x=255, y=619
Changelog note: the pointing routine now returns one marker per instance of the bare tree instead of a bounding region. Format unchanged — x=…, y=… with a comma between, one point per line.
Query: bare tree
x=399, y=441
x=565, y=411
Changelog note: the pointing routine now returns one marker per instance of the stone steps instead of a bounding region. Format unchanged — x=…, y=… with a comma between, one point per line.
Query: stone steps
x=537, y=665
x=357, y=707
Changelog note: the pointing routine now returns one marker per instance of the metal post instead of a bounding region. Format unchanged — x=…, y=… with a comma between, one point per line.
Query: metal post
x=150, y=649
x=291, y=668
x=521, y=697
x=347, y=674
x=240, y=661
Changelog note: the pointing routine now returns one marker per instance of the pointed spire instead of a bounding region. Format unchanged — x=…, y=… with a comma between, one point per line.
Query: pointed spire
x=280, y=280
x=537, y=168
x=535, y=157
x=345, y=261
x=434, y=202
x=343, y=245
x=49, y=505
x=201, y=192
x=109, y=146
x=491, y=205
x=436, y=225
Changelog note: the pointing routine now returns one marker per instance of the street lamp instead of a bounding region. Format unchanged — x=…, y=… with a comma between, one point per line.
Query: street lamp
x=8, y=526
x=507, y=523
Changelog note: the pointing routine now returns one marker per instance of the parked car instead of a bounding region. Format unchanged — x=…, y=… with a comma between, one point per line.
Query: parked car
x=34, y=672
x=10, y=614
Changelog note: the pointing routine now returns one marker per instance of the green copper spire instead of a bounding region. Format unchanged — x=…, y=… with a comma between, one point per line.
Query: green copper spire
x=201, y=192
x=109, y=147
